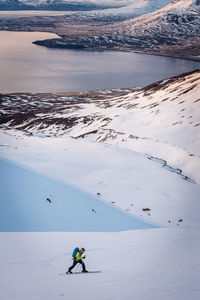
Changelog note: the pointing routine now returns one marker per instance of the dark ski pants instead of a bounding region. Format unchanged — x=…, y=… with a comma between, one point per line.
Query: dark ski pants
x=75, y=263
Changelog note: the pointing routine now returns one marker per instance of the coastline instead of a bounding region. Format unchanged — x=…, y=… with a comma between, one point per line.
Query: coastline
x=115, y=55
x=62, y=45
x=78, y=46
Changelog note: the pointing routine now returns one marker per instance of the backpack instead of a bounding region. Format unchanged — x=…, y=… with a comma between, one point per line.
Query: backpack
x=74, y=252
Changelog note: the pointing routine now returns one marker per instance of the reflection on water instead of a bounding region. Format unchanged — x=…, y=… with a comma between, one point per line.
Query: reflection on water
x=26, y=67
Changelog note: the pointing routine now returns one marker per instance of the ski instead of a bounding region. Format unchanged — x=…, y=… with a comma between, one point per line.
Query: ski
x=74, y=273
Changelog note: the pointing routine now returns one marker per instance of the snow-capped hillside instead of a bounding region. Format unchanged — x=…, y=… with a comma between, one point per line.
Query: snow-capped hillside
x=153, y=26
x=174, y=29
x=162, y=262
x=161, y=120
x=158, y=27
x=54, y=206
x=159, y=124
x=102, y=9
x=55, y=182
x=133, y=9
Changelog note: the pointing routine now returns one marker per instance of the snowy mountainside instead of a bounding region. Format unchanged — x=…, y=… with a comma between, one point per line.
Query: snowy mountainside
x=161, y=120
x=153, y=26
x=172, y=29
x=110, y=144
x=133, y=9
x=55, y=182
x=166, y=28
x=55, y=206
x=100, y=9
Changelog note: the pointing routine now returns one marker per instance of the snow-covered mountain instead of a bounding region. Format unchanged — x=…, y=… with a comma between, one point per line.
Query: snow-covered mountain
x=133, y=9
x=174, y=29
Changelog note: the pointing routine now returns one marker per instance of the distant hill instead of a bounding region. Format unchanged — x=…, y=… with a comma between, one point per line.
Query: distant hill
x=14, y=5
x=53, y=5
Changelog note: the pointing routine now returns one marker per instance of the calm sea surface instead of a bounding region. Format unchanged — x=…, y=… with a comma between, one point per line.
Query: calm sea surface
x=25, y=67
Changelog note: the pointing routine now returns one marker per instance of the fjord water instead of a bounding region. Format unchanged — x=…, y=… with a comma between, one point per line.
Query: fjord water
x=26, y=67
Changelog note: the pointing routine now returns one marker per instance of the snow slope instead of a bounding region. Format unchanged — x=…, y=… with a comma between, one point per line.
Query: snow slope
x=32, y=202
x=148, y=263
x=123, y=178
x=151, y=134
x=141, y=264
x=161, y=120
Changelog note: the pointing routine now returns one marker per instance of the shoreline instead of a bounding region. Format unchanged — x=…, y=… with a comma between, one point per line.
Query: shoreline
x=89, y=53
x=83, y=48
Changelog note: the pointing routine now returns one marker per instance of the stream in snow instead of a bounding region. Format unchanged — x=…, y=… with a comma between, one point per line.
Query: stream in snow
x=31, y=68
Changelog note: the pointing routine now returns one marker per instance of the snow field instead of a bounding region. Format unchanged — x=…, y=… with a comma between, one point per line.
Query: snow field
x=121, y=177
x=63, y=184
x=32, y=202
x=141, y=264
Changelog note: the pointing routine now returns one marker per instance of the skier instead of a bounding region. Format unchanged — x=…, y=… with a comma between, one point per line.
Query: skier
x=78, y=259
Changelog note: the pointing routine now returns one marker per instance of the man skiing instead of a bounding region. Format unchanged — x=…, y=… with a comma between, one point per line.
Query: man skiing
x=77, y=256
